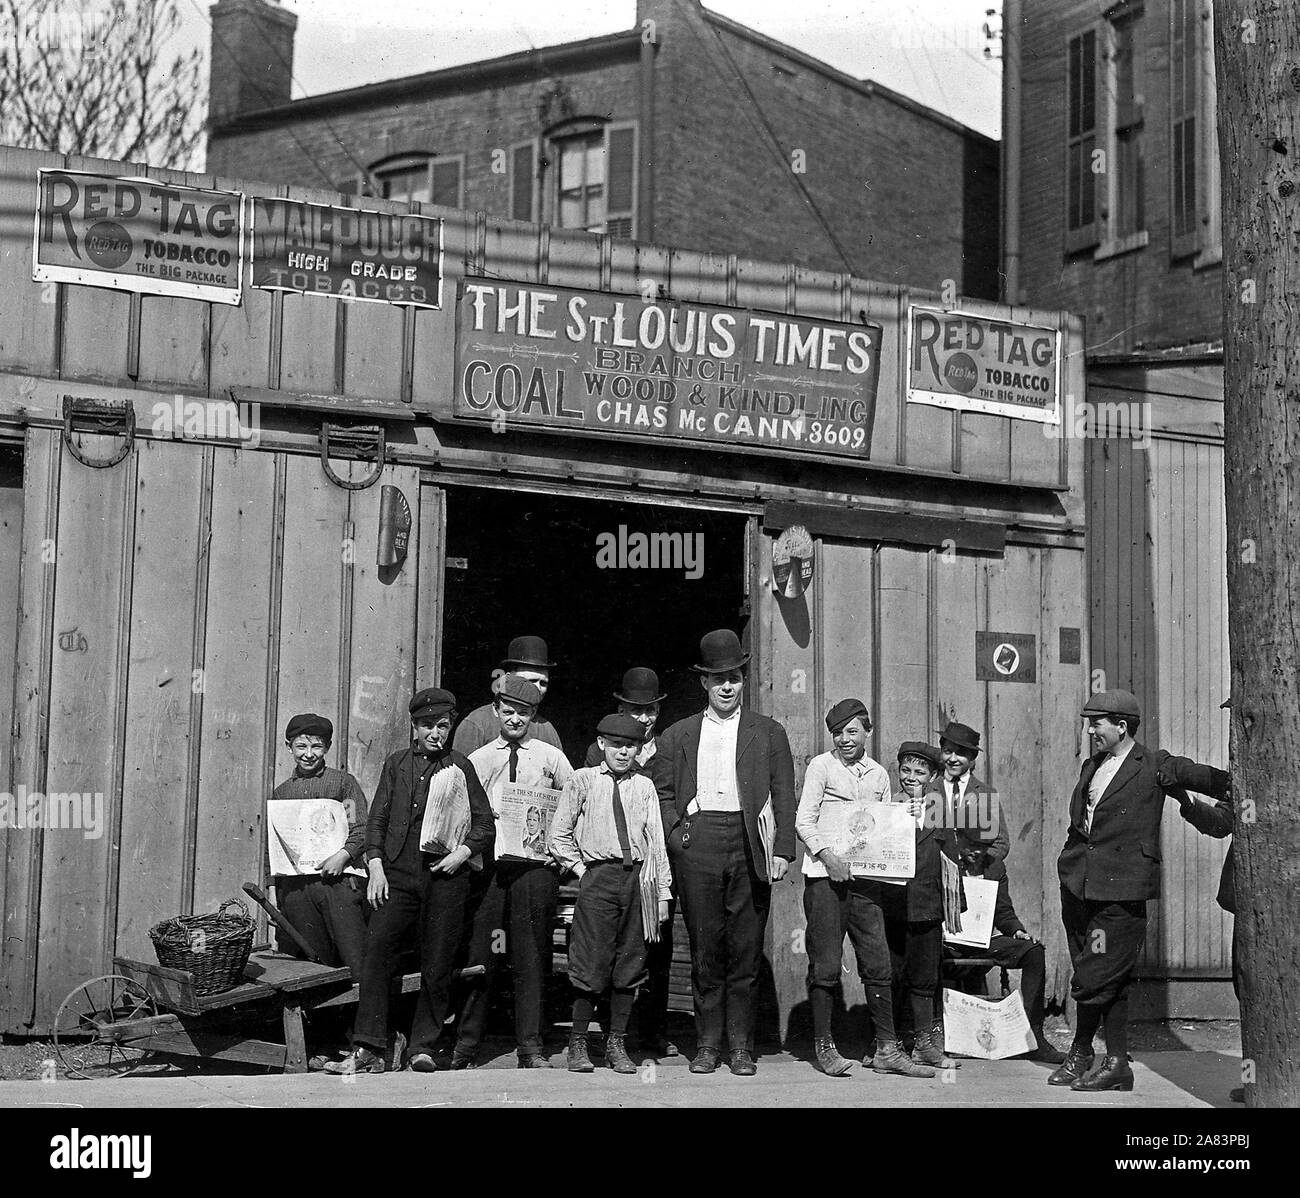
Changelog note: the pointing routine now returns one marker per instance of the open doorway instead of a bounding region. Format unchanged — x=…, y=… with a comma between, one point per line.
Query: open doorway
x=608, y=585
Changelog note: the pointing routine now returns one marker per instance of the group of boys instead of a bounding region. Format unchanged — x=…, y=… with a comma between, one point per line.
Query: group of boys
x=706, y=813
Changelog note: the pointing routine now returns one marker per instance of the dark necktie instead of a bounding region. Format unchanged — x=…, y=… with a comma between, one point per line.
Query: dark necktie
x=514, y=760
x=620, y=823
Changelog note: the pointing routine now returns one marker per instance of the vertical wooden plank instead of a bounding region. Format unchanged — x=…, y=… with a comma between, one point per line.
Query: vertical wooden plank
x=174, y=343
x=159, y=692
x=383, y=633
x=435, y=331
x=87, y=682
x=374, y=351
x=11, y=552
x=240, y=343
x=958, y=696
x=30, y=724
x=904, y=670
x=310, y=327
x=984, y=445
x=430, y=545
x=228, y=817
x=316, y=561
x=28, y=316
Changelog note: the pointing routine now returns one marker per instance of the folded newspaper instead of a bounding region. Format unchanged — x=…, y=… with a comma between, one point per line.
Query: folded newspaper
x=979, y=1027
x=304, y=833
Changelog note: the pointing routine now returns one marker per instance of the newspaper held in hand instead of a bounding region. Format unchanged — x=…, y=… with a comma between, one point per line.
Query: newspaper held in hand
x=446, y=814
x=304, y=833
x=979, y=1027
x=977, y=920
x=524, y=815
x=875, y=840
x=953, y=900
x=767, y=834
x=649, y=885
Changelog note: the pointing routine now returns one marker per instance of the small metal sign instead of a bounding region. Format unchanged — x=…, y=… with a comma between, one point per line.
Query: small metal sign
x=1006, y=657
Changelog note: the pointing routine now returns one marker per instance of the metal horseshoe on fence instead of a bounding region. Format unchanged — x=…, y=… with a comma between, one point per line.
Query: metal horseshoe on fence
x=101, y=418
x=359, y=443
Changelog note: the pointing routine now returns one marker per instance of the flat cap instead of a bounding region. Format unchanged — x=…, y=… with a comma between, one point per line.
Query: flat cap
x=621, y=725
x=918, y=748
x=518, y=690
x=309, y=724
x=1120, y=703
x=844, y=711
x=432, y=701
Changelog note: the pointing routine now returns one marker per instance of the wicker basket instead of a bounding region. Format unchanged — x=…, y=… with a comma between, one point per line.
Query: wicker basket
x=213, y=947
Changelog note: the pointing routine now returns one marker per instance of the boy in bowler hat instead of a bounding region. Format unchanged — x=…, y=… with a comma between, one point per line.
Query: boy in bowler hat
x=968, y=803
x=326, y=908
x=835, y=903
x=639, y=696
x=513, y=895
x=417, y=885
x=1109, y=869
x=608, y=831
x=726, y=785
x=527, y=658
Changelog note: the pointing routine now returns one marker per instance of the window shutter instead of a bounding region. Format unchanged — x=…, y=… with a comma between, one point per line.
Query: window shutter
x=523, y=181
x=620, y=160
x=1183, y=134
x=1082, y=223
x=446, y=182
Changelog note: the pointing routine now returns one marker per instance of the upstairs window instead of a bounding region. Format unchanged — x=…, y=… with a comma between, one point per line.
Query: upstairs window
x=1127, y=176
x=420, y=178
x=1193, y=147
x=1081, y=225
x=594, y=177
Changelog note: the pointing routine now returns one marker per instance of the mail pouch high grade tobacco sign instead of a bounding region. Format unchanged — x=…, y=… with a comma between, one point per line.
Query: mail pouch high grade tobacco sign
x=594, y=363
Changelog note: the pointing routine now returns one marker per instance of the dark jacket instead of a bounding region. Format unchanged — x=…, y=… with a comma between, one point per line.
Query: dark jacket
x=1119, y=860
x=975, y=804
x=921, y=899
x=764, y=767
x=1214, y=821
x=395, y=804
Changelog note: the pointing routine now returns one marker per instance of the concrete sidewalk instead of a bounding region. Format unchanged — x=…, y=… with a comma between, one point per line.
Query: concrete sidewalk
x=1163, y=1079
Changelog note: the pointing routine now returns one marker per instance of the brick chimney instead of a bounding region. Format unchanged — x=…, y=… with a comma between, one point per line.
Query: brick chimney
x=252, y=57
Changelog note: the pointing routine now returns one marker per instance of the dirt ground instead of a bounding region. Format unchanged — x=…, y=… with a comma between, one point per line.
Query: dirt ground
x=34, y=1059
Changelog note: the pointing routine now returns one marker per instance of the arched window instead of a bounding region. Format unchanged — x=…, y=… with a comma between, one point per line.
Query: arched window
x=426, y=178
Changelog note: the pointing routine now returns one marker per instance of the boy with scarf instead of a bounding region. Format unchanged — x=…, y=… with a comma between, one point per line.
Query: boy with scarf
x=430, y=816
x=607, y=830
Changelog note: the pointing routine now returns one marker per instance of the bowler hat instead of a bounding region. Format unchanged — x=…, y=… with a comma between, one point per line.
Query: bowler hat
x=961, y=734
x=843, y=712
x=518, y=690
x=918, y=748
x=720, y=652
x=639, y=687
x=432, y=701
x=1115, y=703
x=625, y=726
x=309, y=724
x=527, y=651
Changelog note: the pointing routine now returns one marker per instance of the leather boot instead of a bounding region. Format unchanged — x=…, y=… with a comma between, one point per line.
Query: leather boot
x=890, y=1058
x=579, y=1061
x=1112, y=1074
x=360, y=1060
x=616, y=1055
x=1077, y=1062
x=926, y=1052
x=829, y=1059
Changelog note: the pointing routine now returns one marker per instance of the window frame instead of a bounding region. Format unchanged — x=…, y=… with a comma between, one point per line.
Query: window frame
x=393, y=163
x=1084, y=236
x=1114, y=240
x=534, y=189
x=588, y=128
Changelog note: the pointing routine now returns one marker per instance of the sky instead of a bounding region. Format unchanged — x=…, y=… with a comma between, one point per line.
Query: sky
x=931, y=50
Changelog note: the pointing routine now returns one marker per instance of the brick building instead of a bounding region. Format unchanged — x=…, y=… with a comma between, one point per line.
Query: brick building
x=1116, y=190
x=687, y=129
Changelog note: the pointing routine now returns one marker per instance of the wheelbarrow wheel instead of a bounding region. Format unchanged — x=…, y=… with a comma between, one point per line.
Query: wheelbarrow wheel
x=80, y=1041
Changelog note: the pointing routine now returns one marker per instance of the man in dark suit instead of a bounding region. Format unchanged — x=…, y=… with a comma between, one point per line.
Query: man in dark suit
x=1109, y=868
x=726, y=784
x=969, y=805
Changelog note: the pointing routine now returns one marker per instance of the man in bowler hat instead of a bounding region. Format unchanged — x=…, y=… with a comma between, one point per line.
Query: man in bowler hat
x=1109, y=868
x=527, y=657
x=968, y=804
x=726, y=782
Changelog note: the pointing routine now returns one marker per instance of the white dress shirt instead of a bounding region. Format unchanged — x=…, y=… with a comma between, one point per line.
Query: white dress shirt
x=829, y=779
x=1102, y=779
x=715, y=764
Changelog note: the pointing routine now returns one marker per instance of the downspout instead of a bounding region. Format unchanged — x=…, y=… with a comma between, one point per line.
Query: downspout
x=1011, y=26
x=645, y=192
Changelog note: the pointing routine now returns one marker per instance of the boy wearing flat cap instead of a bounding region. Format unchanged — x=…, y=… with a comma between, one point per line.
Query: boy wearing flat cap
x=914, y=913
x=639, y=696
x=836, y=903
x=1011, y=946
x=1109, y=868
x=607, y=830
x=513, y=895
x=967, y=803
x=418, y=885
x=726, y=786
x=527, y=657
x=327, y=909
